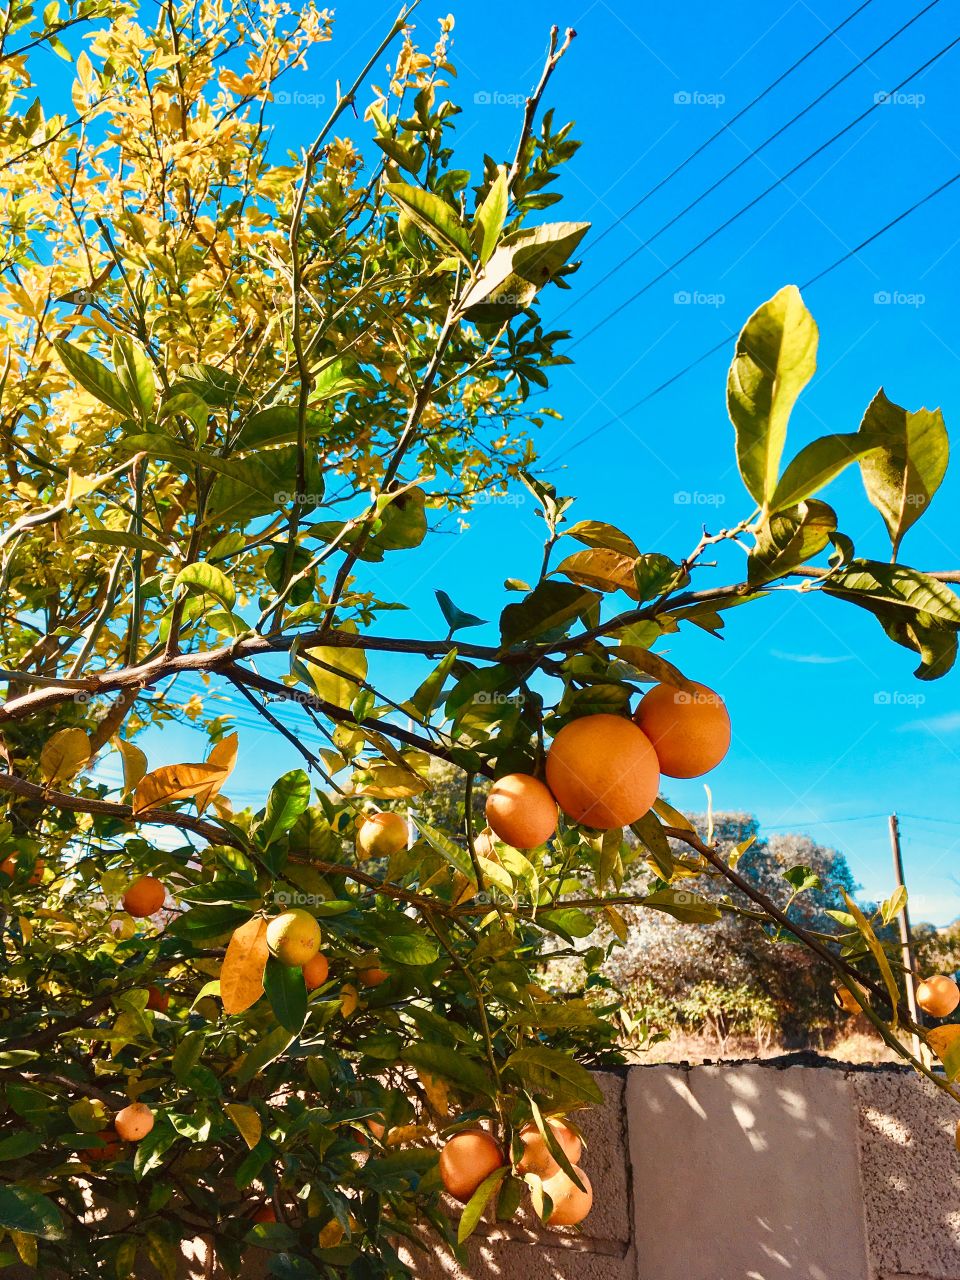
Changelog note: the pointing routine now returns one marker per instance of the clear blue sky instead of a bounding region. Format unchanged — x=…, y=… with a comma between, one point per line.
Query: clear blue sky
x=830, y=726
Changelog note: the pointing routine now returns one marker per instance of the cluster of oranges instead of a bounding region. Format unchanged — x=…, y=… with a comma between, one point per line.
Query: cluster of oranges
x=471, y=1156
x=604, y=770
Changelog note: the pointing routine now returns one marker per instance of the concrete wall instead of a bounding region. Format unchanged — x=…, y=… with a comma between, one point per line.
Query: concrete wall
x=783, y=1171
x=787, y=1170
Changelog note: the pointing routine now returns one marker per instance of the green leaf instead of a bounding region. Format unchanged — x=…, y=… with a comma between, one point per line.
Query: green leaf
x=261, y=1055
x=456, y=856
x=775, y=358
x=595, y=533
x=548, y=609
x=878, y=953
x=473, y=1209
x=402, y=940
x=187, y=1054
x=433, y=216
x=790, y=538
x=151, y=1149
x=454, y=1065
x=336, y=672
x=120, y=538
x=20, y=1144
x=902, y=475
x=553, y=1145
x=135, y=374
x=654, y=574
x=29, y=1212
x=522, y=264
x=209, y=580
x=455, y=618
x=102, y=383
x=289, y=797
x=891, y=908
x=287, y=993
x=872, y=582
x=688, y=907
x=649, y=831
x=549, y=1071
x=491, y=216
x=802, y=878
x=817, y=464
x=428, y=694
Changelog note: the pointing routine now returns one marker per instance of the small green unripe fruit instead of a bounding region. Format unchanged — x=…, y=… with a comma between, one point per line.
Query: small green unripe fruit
x=293, y=937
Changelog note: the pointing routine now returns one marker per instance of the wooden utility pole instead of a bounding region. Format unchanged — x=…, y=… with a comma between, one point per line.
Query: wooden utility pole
x=906, y=940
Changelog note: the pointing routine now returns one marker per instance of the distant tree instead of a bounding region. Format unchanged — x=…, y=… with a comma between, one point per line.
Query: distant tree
x=761, y=971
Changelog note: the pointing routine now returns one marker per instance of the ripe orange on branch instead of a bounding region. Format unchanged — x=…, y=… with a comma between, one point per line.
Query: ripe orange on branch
x=603, y=771
x=381, y=835
x=466, y=1160
x=689, y=729
x=9, y=867
x=536, y=1156
x=372, y=976
x=293, y=937
x=316, y=971
x=521, y=811
x=144, y=897
x=938, y=996
x=570, y=1204
x=134, y=1122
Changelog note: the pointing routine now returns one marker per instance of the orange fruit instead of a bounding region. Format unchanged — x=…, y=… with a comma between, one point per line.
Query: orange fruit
x=315, y=971
x=466, y=1160
x=372, y=976
x=157, y=1000
x=536, y=1156
x=9, y=867
x=521, y=811
x=938, y=996
x=603, y=771
x=144, y=897
x=293, y=937
x=133, y=1122
x=381, y=835
x=845, y=1000
x=266, y=1213
x=570, y=1204
x=377, y=1128
x=690, y=730
x=108, y=1151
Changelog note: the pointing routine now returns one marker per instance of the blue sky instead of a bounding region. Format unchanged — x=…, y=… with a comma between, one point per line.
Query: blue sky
x=831, y=730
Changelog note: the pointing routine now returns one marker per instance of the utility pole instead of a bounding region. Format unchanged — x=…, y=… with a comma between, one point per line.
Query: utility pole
x=906, y=940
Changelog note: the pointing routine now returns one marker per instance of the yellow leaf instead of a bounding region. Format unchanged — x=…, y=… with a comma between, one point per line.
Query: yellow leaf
x=64, y=755
x=945, y=1043
x=616, y=922
x=134, y=764
x=175, y=782
x=437, y=1093
x=337, y=673
x=222, y=756
x=26, y=929
x=673, y=817
x=601, y=568
x=78, y=486
x=349, y=999
x=241, y=977
x=26, y=1246
x=247, y=1120
x=385, y=781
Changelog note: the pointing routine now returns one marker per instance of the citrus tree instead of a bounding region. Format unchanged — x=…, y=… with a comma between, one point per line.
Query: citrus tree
x=230, y=383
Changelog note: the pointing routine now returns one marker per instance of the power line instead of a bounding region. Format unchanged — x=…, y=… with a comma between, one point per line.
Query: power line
x=823, y=822
x=729, y=124
x=757, y=199
x=851, y=253
x=746, y=160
